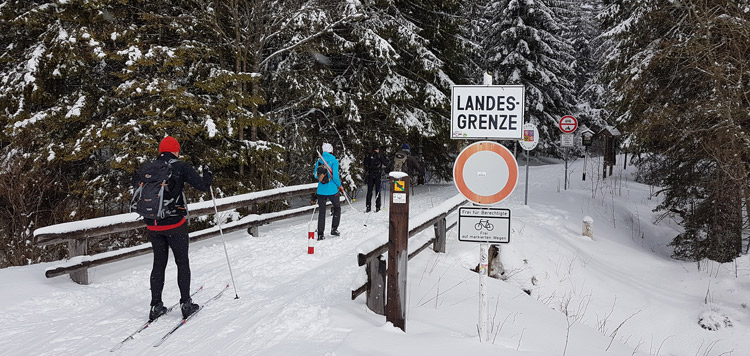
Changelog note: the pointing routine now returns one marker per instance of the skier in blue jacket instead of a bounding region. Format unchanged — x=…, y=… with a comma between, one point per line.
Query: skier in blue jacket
x=329, y=184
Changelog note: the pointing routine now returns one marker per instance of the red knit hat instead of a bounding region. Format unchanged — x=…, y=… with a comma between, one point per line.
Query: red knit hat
x=169, y=144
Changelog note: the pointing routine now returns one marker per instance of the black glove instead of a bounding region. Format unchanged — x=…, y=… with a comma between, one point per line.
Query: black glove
x=207, y=170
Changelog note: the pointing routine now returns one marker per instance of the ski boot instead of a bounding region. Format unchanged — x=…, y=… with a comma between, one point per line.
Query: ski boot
x=188, y=308
x=156, y=311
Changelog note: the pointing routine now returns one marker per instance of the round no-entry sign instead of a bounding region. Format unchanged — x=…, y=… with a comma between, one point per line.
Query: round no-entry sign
x=568, y=124
x=485, y=172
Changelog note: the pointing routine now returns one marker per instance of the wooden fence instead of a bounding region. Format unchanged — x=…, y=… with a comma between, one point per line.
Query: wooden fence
x=77, y=233
x=374, y=287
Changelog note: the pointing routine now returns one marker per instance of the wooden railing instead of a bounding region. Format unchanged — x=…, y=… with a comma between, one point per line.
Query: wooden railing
x=373, y=259
x=76, y=233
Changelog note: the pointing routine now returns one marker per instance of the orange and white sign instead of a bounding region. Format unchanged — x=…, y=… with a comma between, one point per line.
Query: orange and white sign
x=485, y=172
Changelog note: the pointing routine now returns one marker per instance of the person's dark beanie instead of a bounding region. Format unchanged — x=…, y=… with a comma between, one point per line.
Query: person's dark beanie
x=169, y=144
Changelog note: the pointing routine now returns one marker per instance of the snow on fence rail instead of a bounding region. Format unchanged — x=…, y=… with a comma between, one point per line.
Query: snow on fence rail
x=76, y=233
x=369, y=253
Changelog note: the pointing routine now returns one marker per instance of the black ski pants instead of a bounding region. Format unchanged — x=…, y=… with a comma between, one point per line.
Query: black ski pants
x=373, y=183
x=322, y=213
x=161, y=241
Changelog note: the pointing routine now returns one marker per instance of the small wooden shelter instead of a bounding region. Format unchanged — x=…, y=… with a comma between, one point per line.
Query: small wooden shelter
x=608, y=140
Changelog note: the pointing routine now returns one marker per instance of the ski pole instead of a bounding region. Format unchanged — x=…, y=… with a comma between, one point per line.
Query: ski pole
x=376, y=201
x=348, y=201
x=221, y=232
x=313, y=214
x=356, y=194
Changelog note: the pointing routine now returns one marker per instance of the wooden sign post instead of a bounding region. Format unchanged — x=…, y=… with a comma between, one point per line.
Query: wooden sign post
x=398, y=251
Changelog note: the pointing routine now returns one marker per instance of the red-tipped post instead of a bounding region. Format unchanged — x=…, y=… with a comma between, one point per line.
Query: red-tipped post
x=310, y=239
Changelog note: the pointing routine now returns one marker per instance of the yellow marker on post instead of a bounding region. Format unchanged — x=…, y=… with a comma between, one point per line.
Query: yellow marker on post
x=399, y=186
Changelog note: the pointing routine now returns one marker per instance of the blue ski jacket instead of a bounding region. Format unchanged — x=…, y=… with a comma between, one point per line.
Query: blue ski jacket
x=332, y=187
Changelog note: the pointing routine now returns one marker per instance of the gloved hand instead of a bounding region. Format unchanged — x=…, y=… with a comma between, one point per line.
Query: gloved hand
x=207, y=170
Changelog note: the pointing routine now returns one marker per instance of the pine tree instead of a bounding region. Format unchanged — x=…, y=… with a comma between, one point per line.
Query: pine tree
x=53, y=81
x=580, y=28
x=682, y=72
x=525, y=47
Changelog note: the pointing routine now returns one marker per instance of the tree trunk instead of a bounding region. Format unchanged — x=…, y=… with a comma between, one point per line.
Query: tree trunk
x=725, y=232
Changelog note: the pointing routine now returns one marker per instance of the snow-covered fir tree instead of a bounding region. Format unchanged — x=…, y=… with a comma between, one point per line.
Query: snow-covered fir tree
x=524, y=45
x=580, y=27
x=680, y=74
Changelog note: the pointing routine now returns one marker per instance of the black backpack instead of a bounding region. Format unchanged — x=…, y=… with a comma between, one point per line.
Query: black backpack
x=399, y=162
x=323, y=176
x=149, y=199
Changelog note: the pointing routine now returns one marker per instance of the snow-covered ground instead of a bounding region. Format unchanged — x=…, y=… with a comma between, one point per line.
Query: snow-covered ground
x=618, y=294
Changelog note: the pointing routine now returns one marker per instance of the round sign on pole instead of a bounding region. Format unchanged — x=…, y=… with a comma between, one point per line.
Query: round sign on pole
x=568, y=124
x=485, y=172
x=530, y=137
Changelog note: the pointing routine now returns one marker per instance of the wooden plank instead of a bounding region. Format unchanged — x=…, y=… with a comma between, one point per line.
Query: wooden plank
x=376, y=270
x=146, y=248
x=54, y=238
x=364, y=258
x=358, y=291
x=421, y=248
x=135, y=223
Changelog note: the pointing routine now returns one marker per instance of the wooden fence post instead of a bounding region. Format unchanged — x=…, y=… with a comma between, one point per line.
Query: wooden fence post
x=79, y=248
x=253, y=229
x=439, y=244
x=398, y=252
x=376, y=285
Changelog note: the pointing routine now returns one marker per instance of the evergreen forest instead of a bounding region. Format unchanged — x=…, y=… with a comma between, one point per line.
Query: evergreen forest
x=252, y=89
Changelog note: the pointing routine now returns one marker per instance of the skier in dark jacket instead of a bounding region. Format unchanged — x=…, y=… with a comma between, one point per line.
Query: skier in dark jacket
x=374, y=164
x=172, y=230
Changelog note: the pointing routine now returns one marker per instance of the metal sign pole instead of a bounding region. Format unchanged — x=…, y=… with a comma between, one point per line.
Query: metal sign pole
x=566, y=169
x=526, y=192
x=483, y=304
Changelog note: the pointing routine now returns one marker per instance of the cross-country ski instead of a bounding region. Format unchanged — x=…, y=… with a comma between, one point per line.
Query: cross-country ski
x=185, y=320
x=148, y=323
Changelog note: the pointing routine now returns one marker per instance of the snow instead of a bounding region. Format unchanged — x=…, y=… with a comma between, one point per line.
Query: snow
x=75, y=111
x=618, y=294
x=130, y=217
x=133, y=53
x=211, y=127
x=37, y=117
x=33, y=64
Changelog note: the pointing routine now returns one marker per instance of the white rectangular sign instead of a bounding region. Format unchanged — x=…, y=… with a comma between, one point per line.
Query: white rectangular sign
x=484, y=224
x=487, y=112
x=567, y=140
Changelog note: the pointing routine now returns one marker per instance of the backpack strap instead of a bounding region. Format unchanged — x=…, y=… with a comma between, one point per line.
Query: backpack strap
x=160, y=213
x=136, y=195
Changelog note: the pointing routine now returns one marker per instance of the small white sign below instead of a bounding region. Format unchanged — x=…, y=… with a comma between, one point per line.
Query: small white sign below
x=567, y=140
x=399, y=198
x=484, y=224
